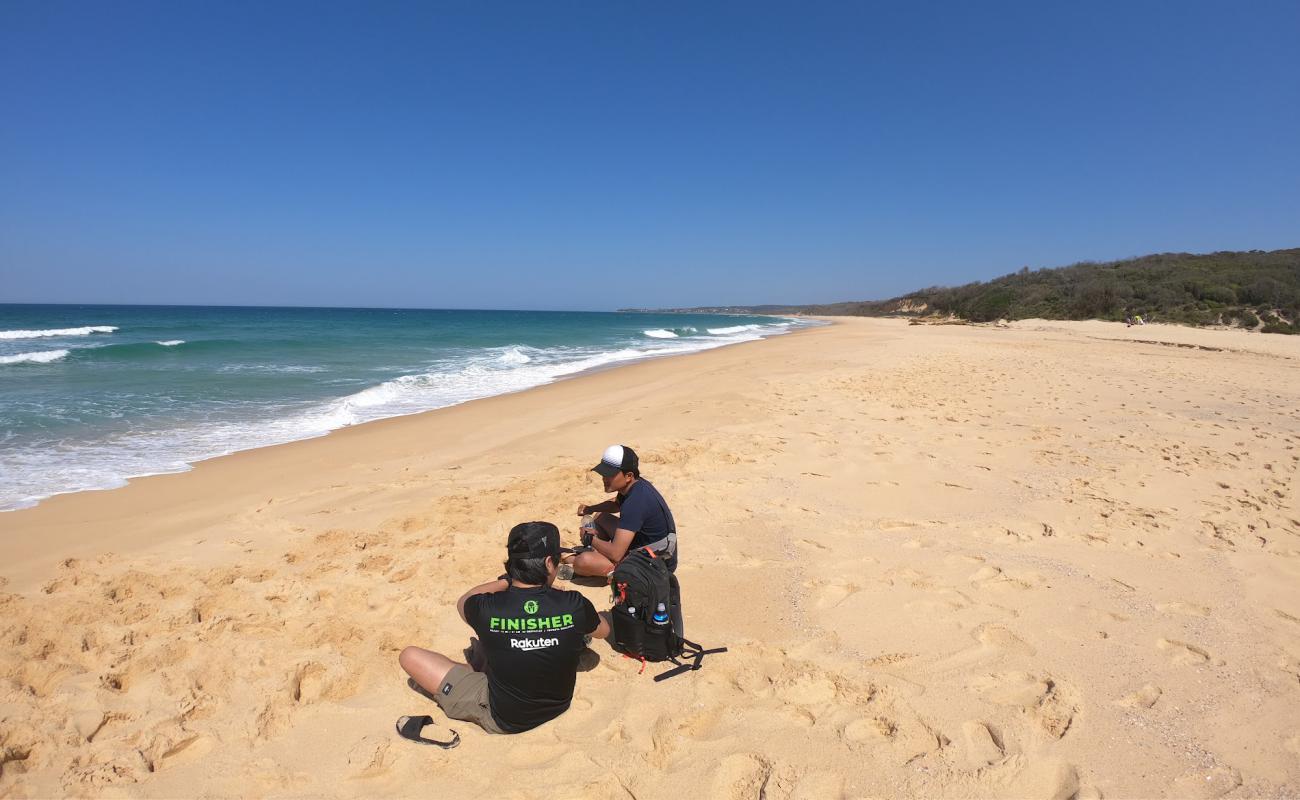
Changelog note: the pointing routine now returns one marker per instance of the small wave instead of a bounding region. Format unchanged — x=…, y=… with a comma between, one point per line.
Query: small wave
x=733, y=329
x=670, y=333
x=514, y=356
x=43, y=357
x=171, y=342
x=271, y=369
x=86, y=331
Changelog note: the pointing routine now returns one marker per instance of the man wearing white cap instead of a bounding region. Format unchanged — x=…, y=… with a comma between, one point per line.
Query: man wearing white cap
x=637, y=516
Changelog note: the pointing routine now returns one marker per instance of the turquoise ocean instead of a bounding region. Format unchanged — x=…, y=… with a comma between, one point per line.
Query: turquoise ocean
x=93, y=395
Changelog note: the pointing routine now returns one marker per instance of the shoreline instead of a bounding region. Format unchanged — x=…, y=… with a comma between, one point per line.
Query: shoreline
x=190, y=466
x=78, y=507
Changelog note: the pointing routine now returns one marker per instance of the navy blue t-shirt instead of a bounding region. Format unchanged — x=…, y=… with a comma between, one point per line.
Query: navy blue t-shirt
x=643, y=511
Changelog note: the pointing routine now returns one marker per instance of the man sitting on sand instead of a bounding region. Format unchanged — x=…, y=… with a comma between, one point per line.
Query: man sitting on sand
x=529, y=639
x=643, y=518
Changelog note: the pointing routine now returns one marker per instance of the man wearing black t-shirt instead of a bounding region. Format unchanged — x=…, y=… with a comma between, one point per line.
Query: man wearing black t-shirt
x=642, y=518
x=530, y=637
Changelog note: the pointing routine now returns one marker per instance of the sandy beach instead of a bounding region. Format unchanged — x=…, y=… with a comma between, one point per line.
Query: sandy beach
x=1050, y=560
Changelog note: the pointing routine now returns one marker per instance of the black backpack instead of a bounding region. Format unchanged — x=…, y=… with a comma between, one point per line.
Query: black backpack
x=647, y=614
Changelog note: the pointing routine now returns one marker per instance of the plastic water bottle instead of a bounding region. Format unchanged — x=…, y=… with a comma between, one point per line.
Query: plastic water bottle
x=661, y=615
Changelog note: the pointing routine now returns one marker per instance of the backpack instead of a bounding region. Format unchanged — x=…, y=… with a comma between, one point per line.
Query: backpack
x=646, y=617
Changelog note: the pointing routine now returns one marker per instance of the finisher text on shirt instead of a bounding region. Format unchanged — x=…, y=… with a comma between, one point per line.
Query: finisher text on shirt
x=554, y=623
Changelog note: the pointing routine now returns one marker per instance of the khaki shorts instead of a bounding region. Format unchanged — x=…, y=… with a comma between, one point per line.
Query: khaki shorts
x=464, y=695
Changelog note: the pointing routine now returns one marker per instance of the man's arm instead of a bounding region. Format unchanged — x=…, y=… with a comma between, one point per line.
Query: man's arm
x=616, y=549
x=604, y=505
x=603, y=629
x=499, y=585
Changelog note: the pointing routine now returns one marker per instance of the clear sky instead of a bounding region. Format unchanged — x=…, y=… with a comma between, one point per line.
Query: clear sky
x=605, y=154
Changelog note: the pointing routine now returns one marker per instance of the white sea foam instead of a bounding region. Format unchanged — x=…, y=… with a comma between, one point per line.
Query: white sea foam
x=171, y=342
x=86, y=331
x=43, y=357
x=733, y=329
x=514, y=356
x=660, y=333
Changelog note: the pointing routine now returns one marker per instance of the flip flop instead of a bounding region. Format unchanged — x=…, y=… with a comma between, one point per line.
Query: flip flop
x=410, y=727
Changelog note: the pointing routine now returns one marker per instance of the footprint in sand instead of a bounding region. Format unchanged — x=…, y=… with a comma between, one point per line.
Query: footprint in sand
x=370, y=757
x=895, y=524
x=875, y=729
x=1052, y=704
x=1180, y=607
x=811, y=543
x=982, y=745
x=999, y=638
x=614, y=733
x=741, y=775
x=1142, y=698
x=699, y=725
x=1183, y=653
x=831, y=595
x=808, y=690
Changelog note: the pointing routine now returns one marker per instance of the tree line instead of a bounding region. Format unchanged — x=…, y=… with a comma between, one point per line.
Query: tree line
x=1254, y=289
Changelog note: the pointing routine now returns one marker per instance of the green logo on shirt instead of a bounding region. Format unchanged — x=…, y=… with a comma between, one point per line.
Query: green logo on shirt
x=531, y=606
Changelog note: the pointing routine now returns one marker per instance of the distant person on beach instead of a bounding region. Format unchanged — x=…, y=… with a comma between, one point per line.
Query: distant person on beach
x=637, y=516
x=524, y=663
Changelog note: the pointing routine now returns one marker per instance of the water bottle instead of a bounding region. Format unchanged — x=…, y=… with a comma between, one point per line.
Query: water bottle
x=587, y=529
x=661, y=615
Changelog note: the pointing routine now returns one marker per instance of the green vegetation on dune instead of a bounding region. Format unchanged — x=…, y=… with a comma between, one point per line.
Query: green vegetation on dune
x=1217, y=288
x=1230, y=288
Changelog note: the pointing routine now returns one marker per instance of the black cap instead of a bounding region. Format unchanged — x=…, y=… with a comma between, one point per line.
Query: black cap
x=534, y=540
x=617, y=458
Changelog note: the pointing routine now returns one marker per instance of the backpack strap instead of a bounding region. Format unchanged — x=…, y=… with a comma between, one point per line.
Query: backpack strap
x=697, y=656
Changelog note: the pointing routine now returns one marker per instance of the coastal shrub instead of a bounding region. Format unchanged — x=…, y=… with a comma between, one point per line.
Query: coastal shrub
x=1219, y=294
x=990, y=306
x=1280, y=327
x=1247, y=318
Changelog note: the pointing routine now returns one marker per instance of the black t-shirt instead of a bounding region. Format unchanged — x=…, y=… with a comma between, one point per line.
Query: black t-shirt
x=643, y=511
x=532, y=638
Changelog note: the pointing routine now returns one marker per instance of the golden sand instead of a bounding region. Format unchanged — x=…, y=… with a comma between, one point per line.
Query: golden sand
x=1052, y=560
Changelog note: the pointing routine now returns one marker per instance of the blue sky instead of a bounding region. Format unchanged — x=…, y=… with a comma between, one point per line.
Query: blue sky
x=600, y=155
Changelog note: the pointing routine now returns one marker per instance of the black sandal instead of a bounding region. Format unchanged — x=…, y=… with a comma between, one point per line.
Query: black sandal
x=410, y=727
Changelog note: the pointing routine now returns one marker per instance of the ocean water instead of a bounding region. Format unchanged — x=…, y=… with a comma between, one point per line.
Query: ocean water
x=93, y=395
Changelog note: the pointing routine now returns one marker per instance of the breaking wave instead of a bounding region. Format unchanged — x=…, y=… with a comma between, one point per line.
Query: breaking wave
x=43, y=357
x=86, y=331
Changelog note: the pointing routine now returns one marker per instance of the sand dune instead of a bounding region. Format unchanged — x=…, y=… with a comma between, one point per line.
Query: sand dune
x=1056, y=560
